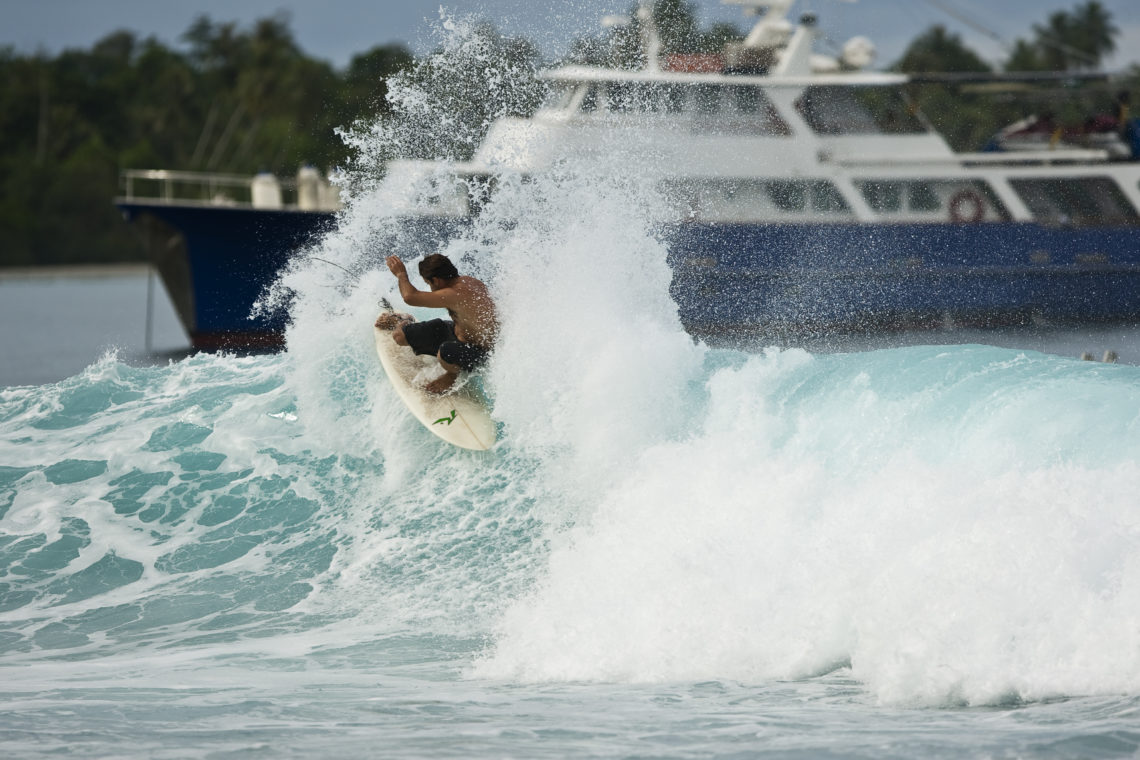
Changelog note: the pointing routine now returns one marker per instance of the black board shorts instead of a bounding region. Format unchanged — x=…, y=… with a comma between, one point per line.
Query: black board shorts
x=437, y=338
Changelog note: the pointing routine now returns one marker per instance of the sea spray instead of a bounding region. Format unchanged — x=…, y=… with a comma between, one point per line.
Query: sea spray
x=864, y=511
x=592, y=362
x=439, y=110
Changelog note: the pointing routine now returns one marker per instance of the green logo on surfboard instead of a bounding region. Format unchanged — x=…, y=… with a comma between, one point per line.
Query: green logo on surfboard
x=447, y=420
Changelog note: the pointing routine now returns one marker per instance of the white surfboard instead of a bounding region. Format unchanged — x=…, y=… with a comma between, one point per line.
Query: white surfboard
x=461, y=418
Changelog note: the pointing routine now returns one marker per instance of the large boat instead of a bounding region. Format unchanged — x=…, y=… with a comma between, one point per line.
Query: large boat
x=805, y=191
x=218, y=240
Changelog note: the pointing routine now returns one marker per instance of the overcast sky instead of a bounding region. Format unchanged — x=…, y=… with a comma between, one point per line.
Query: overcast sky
x=336, y=29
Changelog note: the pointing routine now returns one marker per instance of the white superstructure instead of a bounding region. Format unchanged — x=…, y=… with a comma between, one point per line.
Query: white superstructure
x=774, y=133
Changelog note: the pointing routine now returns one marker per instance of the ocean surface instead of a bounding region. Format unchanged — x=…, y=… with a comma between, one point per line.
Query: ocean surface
x=676, y=550
x=55, y=322
x=880, y=546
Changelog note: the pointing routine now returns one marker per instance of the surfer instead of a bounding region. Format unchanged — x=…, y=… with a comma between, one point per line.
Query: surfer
x=462, y=343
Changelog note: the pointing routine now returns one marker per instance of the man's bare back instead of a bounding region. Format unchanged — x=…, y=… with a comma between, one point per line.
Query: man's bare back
x=473, y=311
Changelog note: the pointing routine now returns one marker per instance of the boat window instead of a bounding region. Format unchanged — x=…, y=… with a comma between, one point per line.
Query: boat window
x=794, y=195
x=826, y=197
x=883, y=197
x=559, y=97
x=955, y=200
x=788, y=196
x=638, y=97
x=641, y=97
x=923, y=198
x=621, y=96
x=590, y=99
x=747, y=99
x=1075, y=200
x=715, y=108
x=744, y=200
x=735, y=109
x=706, y=99
x=858, y=110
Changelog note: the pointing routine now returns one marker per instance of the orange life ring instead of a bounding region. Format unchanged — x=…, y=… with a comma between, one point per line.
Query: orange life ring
x=967, y=200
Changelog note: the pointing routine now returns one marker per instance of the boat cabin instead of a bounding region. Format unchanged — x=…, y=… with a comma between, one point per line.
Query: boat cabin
x=794, y=140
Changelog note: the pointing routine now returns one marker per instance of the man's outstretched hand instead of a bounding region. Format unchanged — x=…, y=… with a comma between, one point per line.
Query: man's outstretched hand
x=396, y=266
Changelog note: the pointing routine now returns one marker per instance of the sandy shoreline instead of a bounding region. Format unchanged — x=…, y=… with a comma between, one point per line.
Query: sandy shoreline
x=131, y=269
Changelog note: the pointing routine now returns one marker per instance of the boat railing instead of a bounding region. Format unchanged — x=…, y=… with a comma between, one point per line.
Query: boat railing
x=996, y=158
x=308, y=192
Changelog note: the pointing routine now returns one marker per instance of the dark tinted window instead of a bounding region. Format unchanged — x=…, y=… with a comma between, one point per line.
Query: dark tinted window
x=883, y=197
x=706, y=98
x=735, y=109
x=747, y=99
x=858, y=110
x=788, y=196
x=923, y=197
x=1075, y=200
x=825, y=197
x=590, y=99
x=955, y=200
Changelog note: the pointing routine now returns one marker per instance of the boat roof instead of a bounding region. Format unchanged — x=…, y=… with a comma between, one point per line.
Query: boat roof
x=579, y=74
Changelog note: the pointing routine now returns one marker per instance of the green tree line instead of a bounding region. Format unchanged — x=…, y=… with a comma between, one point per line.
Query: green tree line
x=1075, y=41
x=231, y=99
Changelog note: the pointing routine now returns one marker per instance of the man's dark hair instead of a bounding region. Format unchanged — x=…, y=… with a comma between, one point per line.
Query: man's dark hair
x=438, y=265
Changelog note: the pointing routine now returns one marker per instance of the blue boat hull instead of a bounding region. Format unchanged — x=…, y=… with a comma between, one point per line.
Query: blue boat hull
x=854, y=275
x=734, y=277
x=227, y=259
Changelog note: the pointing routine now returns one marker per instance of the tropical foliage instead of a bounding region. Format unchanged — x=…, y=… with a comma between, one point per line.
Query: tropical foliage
x=1077, y=40
x=231, y=99
x=1068, y=41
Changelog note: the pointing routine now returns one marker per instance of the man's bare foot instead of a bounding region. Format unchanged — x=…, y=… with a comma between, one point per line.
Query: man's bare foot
x=442, y=385
x=391, y=320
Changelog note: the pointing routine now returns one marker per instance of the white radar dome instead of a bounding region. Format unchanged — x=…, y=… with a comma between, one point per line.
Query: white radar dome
x=858, y=53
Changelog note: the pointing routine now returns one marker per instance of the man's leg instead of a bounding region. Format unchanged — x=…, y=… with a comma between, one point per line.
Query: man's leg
x=424, y=338
x=398, y=329
x=398, y=335
x=443, y=383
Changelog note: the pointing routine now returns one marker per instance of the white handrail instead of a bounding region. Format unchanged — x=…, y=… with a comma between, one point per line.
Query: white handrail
x=1010, y=158
x=192, y=188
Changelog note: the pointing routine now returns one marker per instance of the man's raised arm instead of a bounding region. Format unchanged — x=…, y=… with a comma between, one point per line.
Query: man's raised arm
x=412, y=296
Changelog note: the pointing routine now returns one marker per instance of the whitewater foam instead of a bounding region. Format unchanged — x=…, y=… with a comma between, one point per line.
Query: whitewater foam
x=916, y=515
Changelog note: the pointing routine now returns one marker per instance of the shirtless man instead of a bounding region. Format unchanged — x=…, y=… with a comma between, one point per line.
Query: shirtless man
x=461, y=344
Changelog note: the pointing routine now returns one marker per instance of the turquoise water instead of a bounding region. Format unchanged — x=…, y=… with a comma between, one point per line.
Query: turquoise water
x=923, y=551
